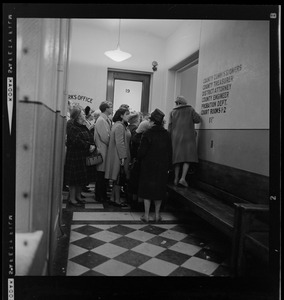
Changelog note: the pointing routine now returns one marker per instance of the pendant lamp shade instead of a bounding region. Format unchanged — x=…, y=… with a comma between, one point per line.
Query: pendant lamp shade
x=118, y=55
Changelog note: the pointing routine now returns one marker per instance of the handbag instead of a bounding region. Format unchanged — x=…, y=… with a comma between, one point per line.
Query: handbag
x=94, y=159
x=121, y=179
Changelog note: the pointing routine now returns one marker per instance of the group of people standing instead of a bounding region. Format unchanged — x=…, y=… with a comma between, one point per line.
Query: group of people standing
x=143, y=150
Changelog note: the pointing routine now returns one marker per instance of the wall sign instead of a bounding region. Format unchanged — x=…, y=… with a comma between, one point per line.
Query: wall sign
x=216, y=91
x=80, y=98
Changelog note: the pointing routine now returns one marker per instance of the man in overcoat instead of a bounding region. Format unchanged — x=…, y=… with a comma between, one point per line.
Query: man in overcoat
x=101, y=136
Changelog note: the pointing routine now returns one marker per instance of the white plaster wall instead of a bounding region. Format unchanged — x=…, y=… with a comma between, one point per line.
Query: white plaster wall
x=180, y=45
x=226, y=44
x=184, y=42
x=88, y=64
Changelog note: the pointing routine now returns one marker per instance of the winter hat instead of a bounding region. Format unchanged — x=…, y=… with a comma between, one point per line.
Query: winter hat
x=181, y=100
x=133, y=118
x=143, y=126
x=75, y=112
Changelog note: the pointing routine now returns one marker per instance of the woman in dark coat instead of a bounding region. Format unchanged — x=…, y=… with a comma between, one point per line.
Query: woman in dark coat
x=79, y=146
x=181, y=127
x=134, y=168
x=154, y=154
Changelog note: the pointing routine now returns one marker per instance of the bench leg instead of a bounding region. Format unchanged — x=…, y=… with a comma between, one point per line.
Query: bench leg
x=238, y=258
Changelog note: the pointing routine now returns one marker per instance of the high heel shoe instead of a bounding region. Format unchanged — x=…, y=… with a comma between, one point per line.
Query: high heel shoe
x=75, y=204
x=80, y=201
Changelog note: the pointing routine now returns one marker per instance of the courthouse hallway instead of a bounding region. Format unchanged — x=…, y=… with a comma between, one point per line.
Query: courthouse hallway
x=102, y=240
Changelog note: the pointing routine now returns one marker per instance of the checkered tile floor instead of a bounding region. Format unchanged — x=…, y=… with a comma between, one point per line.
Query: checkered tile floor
x=141, y=250
x=107, y=241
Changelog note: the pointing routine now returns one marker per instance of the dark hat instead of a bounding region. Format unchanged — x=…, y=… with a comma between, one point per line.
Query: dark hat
x=75, y=112
x=87, y=110
x=157, y=116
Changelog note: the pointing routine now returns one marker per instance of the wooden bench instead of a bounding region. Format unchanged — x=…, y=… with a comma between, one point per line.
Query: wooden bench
x=238, y=221
x=251, y=234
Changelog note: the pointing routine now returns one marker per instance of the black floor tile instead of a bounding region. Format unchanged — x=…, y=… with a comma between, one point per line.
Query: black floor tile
x=89, y=259
x=193, y=241
x=181, y=271
x=87, y=230
x=139, y=272
x=222, y=271
x=153, y=229
x=173, y=257
x=120, y=229
x=183, y=228
x=210, y=256
x=126, y=242
x=132, y=258
x=88, y=243
x=92, y=273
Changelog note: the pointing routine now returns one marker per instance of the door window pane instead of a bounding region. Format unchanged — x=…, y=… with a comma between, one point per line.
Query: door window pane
x=127, y=92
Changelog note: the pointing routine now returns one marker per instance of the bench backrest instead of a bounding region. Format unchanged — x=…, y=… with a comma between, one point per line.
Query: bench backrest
x=231, y=184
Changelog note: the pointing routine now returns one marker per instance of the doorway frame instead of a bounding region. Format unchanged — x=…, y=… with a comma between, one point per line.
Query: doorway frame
x=129, y=75
x=183, y=65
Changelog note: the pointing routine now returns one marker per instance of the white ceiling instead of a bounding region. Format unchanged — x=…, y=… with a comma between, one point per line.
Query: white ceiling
x=160, y=28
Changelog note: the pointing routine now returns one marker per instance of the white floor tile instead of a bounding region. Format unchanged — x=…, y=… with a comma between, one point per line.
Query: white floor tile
x=140, y=235
x=200, y=265
x=74, y=236
x=158, y=267
x=135, y=226
x=74, y=226
x=105, y=236
x=102, y=216
x=174, y=235
x=75, y=250
x=167, y=216
x=94, y=206
x=109, y=250
x=113, y=268
x=104, y=226
x=91, y=200
x=136, y=216
x=165, y=226
x=74, y=269
x=90, y=194
x=185, y=248
x=148, y=249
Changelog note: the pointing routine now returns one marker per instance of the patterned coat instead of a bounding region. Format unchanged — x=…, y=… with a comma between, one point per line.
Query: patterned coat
x=118, y=149
x=78, y=144
x=134, y=169
x=155, y=155
x=181, y=127
x=102, y=135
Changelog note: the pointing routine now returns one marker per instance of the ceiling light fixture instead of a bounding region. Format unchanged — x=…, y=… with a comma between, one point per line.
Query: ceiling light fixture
x=118, y=55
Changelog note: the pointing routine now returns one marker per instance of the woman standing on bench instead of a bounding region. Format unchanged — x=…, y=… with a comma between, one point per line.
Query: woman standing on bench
x=181, y=127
